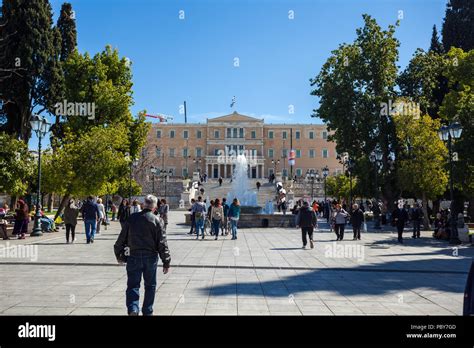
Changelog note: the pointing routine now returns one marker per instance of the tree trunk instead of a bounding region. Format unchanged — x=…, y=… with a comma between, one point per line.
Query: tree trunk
x=62, y=205
x=426, y=218
x=436, y=204
x=50, y=202
x=470, y=209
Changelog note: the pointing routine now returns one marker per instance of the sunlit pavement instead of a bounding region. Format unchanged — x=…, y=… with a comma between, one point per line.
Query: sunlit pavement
x=264, y=272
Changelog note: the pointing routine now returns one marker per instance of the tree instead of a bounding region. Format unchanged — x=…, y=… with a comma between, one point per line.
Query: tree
x=67, y=28
x=339, y=187
x=16, y=166
x=423, y=81
x=436, y=46
x=353, y=84
x=31, y=78
x=421, y=162
x=458, y=106
x=458, y=25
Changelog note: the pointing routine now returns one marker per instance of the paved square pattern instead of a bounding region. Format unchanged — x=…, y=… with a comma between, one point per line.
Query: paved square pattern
x=264, y=272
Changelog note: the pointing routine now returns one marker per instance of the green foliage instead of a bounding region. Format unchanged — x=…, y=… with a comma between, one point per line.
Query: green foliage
x=29, y=54
x=423, y=82
x=436, y=46
x=458, y=25
x=458, y=106
x=422, y=159
x=16, y=165
x=339, y=186
x=352, y=84
x=67, y=28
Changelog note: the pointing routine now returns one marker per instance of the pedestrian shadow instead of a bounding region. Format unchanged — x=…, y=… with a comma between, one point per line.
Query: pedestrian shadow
x=385, y=278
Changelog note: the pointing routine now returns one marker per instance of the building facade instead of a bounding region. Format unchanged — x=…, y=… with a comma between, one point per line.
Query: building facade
x=179, y=149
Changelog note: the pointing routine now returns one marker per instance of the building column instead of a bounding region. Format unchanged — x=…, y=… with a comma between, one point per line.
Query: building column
x=225, y=170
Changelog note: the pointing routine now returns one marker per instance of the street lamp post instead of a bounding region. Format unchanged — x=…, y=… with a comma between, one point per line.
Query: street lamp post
x=311, y=175
x=325, y=174
x=448, y=133
x=164, y=174
x=376, y=157
x=40, y=126
x=275, y=163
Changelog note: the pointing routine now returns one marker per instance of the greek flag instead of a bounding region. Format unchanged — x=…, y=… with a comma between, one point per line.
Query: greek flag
x=233, y=102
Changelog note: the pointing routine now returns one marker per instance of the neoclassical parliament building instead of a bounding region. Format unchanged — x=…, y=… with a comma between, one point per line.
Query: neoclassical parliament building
x=183, y=148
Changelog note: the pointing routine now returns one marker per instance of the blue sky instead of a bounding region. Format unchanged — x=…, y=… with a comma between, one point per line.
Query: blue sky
x=192, y=59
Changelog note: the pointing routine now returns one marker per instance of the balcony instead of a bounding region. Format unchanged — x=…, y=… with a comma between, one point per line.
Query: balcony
x=252, y=160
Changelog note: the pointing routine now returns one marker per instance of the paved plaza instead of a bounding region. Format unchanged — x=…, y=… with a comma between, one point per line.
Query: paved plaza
x=263, y=272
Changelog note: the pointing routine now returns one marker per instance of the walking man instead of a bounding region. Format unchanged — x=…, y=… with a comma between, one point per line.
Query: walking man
x=199, y=211
x=416, y=217
x=307, y=220
x=193, y=220
x=357, y=219
x=143, y=238
x=340, y=216
x=91, y=215
x=400, y=217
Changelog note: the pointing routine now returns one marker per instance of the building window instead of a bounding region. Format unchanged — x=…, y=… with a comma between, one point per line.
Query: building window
x=297, y=134
x=311, y=135
x=285, y=172
x=234, y=132
x=325, y=153
x=284, y=135
x=270, y=153
x=185, y=152
x=241, y=132
x=198, y=152
x=284, y=153
x=216, y=152
x=172, y=133
x=199, y=134
x=158, y=133
x=229, y=132
x=171, y=152
x=311, y=153
x=270, y=171
x=158, y=151
x=298, y=153
x=299, y=171
x=325, y=135
x=270, y=134
x=254, y=134
x=185, y=172
x=185, y=134
x=216, y=134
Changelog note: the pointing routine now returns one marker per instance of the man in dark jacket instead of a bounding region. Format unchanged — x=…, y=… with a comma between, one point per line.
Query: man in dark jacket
x=143, y=239
x=307, y=220
x=400, y=217
x=357, y=219
x=416, y=217
x=90, y=215
x=468, y=308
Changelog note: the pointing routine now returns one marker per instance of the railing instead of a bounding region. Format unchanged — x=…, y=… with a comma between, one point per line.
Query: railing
x=251, y=160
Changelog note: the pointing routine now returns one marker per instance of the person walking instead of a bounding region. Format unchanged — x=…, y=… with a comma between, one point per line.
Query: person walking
x=22, y=220
x=217, y=214
x=307, y=220
x=199, y=210
x=135, y=208
x=399, y=219
x=164, y=210
x=340, y=216
x=220, y=181
x=234, y=215
x=70, y=220
x=101, y=215
x=4, y=223
x=90, y=214
x=258, y=184
x=143, y=240
x=357, y=219
x=114, y=211
x=193, y=217
x=416, y=218
x=123, y=212
x=225, y=206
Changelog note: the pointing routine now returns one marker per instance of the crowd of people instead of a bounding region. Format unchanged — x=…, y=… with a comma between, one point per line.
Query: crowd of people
x=221, y=217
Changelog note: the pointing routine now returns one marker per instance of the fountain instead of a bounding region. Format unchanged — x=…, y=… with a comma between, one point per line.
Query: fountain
x=240, y=188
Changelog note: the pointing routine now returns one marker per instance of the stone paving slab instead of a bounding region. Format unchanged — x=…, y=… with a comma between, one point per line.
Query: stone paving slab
x=263, y=272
